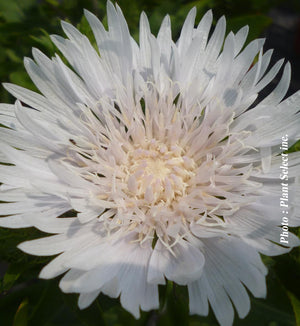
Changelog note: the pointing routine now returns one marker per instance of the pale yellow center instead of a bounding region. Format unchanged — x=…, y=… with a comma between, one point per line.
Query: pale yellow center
x=159, y=173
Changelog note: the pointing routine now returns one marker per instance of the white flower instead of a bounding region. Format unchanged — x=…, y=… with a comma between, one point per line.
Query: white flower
x=152, y=147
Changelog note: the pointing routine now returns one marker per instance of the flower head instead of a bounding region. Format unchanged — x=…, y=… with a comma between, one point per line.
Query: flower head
x=153, y=149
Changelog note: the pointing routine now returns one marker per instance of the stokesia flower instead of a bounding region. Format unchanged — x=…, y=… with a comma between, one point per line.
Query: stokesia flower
x=153, y=148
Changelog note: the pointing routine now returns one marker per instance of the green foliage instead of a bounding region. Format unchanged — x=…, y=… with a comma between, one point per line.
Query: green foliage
x=295, y=147
x=41, y=303
x=256, y=22
x=21, y=316
x=11, y=276
x=27, y=24
x=296, y=306
x=27, y=301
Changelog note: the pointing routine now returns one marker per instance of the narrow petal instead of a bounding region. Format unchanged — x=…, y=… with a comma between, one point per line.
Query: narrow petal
x=182, y=267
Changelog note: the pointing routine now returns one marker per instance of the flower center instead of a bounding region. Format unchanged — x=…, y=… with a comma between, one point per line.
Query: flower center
x=158, y=173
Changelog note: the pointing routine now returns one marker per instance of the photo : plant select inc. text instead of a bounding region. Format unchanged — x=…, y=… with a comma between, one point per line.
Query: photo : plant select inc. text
x=284, y=198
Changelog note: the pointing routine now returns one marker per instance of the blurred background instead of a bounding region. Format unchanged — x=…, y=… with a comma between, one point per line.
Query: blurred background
x=27, y=301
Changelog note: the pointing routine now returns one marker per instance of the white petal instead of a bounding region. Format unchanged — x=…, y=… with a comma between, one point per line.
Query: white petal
x=244, y=60
x=198, y=301
x=164, y=39
x=185, y=267
x=215, y=43
x=55, y=267
x=69, y=278
x=27, y=162
x=221, y=281
x=240, y=38
x=266, y=156
x=279, y=92
x=48, y=221
x=14, y=222
x=135, y=291
x=59, y=243
x=13, y=176
x=46, y=246
x=269, y=76
x=85, y=299
x=187, y=32
x=145, y=49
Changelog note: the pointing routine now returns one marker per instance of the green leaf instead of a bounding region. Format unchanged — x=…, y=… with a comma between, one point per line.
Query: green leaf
x=295, y=147
x=84, y=28
x=20, y=77
x=53, y=2
x=287, y=268
x=44, y=41
x=13, y=11
x=296, y=307
x=275, y=310
x=11, y=276
x=11, y=54
x=21, y=316
x=257, y=24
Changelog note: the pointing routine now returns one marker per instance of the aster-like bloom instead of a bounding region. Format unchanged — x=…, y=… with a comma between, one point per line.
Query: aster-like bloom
x=152, y=148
